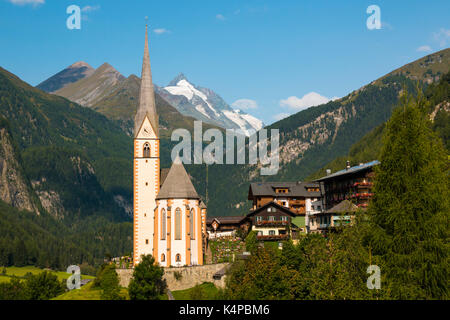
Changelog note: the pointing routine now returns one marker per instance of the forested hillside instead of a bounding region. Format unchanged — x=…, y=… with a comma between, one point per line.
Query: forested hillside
x=54, y=153
x=369, y=147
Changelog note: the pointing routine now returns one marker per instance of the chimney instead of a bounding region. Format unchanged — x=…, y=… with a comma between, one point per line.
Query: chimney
x=348, y=164
x=328, y=172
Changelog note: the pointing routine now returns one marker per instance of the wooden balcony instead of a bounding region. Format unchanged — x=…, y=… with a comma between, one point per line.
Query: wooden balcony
x=273, y=237
x=274, y=223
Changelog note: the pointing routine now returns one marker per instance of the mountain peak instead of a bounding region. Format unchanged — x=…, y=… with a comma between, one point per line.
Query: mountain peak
x=73, y=73
x=177, y=79
x=80, y=64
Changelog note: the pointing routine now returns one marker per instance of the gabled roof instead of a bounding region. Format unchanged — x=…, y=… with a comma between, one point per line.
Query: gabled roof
x=345, y=206
x=177, y=184
x=271, y=204
x=226, y=220
x=351, y=170
x=147, y=106
x=296, y=189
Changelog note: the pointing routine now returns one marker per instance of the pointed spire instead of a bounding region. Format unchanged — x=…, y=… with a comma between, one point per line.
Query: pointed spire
x=147, y=106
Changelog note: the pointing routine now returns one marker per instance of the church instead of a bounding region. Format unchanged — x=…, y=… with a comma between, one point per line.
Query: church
x=169, y=218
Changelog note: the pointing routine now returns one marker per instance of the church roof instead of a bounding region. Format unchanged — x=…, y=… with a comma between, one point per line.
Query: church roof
x=147, y=106
x=177, y=184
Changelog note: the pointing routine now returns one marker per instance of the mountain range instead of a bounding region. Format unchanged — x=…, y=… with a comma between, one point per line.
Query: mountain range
x=107, y=91
x=204, y=104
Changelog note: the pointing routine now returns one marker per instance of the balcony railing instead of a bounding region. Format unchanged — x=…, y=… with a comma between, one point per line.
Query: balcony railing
x=273, y=237
x=362, y=184
x=268, y=223
x=362, y=195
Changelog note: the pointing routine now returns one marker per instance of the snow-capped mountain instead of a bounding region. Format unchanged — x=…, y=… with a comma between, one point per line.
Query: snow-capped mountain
x=204, y=104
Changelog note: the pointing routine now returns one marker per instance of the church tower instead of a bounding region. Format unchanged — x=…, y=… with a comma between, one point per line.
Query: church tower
x=146, y=165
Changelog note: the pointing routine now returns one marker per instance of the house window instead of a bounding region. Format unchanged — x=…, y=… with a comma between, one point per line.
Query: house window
x=271, y=232
x=192, y=224
x=146, y=241
x=271, y=218
x=163, y=224
x=284, y=218
x=163, y=257
x=258, y=218
x=260, y=233
x=147, y=150
x=178, y=258
x=178, y=224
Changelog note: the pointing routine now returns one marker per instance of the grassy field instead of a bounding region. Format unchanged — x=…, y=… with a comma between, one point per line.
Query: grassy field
x=87, y=293
x=84, y=293
x=204, y=291
x=22, y=271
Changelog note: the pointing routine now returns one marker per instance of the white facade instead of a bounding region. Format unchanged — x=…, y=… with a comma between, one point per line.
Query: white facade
x=178, y=248
x=146, y=187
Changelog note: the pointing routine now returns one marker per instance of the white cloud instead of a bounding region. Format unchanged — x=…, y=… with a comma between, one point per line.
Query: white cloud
x=24, y=2
x=220, y=17
x=281, y=116
x=308, y=100
x=161, y=31
x=90, y=8
x=424, y=49
x=442, y=36
x=245, y=104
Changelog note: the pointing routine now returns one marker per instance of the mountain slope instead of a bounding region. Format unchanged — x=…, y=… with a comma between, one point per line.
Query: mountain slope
x=369, y=147
x=93, y=88
x=71, y=74
x=313, y=137
x=14, y=187
x=64, y=145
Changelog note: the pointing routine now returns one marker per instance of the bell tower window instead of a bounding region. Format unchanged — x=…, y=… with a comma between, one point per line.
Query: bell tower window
x=147, y=150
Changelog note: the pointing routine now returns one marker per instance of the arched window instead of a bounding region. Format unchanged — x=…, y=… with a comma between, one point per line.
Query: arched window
x=178, y=224
x=163, y=258
x=192, y=224
x=147, y=150
x=178, y=258
x=163, y=225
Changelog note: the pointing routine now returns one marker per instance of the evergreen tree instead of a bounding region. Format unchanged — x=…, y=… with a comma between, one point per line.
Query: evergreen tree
x=109, y=284
x=410, y=211
x=43, y=286
x=147, y=282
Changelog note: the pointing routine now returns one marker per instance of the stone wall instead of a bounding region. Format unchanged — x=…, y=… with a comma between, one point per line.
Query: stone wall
x=190, y=276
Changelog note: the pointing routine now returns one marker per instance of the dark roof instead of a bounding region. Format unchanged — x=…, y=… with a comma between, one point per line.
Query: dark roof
x=296, y=189
x=226, y=220
x=164, y=173
x=271, y=204
x=343, y=207
x=177, y=184
x=354, y=169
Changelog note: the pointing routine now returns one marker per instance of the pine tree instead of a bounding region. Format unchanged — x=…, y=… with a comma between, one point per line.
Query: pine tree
x=409, y=215
x=147, y=282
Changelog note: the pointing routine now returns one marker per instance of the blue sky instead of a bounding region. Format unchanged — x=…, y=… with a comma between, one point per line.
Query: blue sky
x=269, y=54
